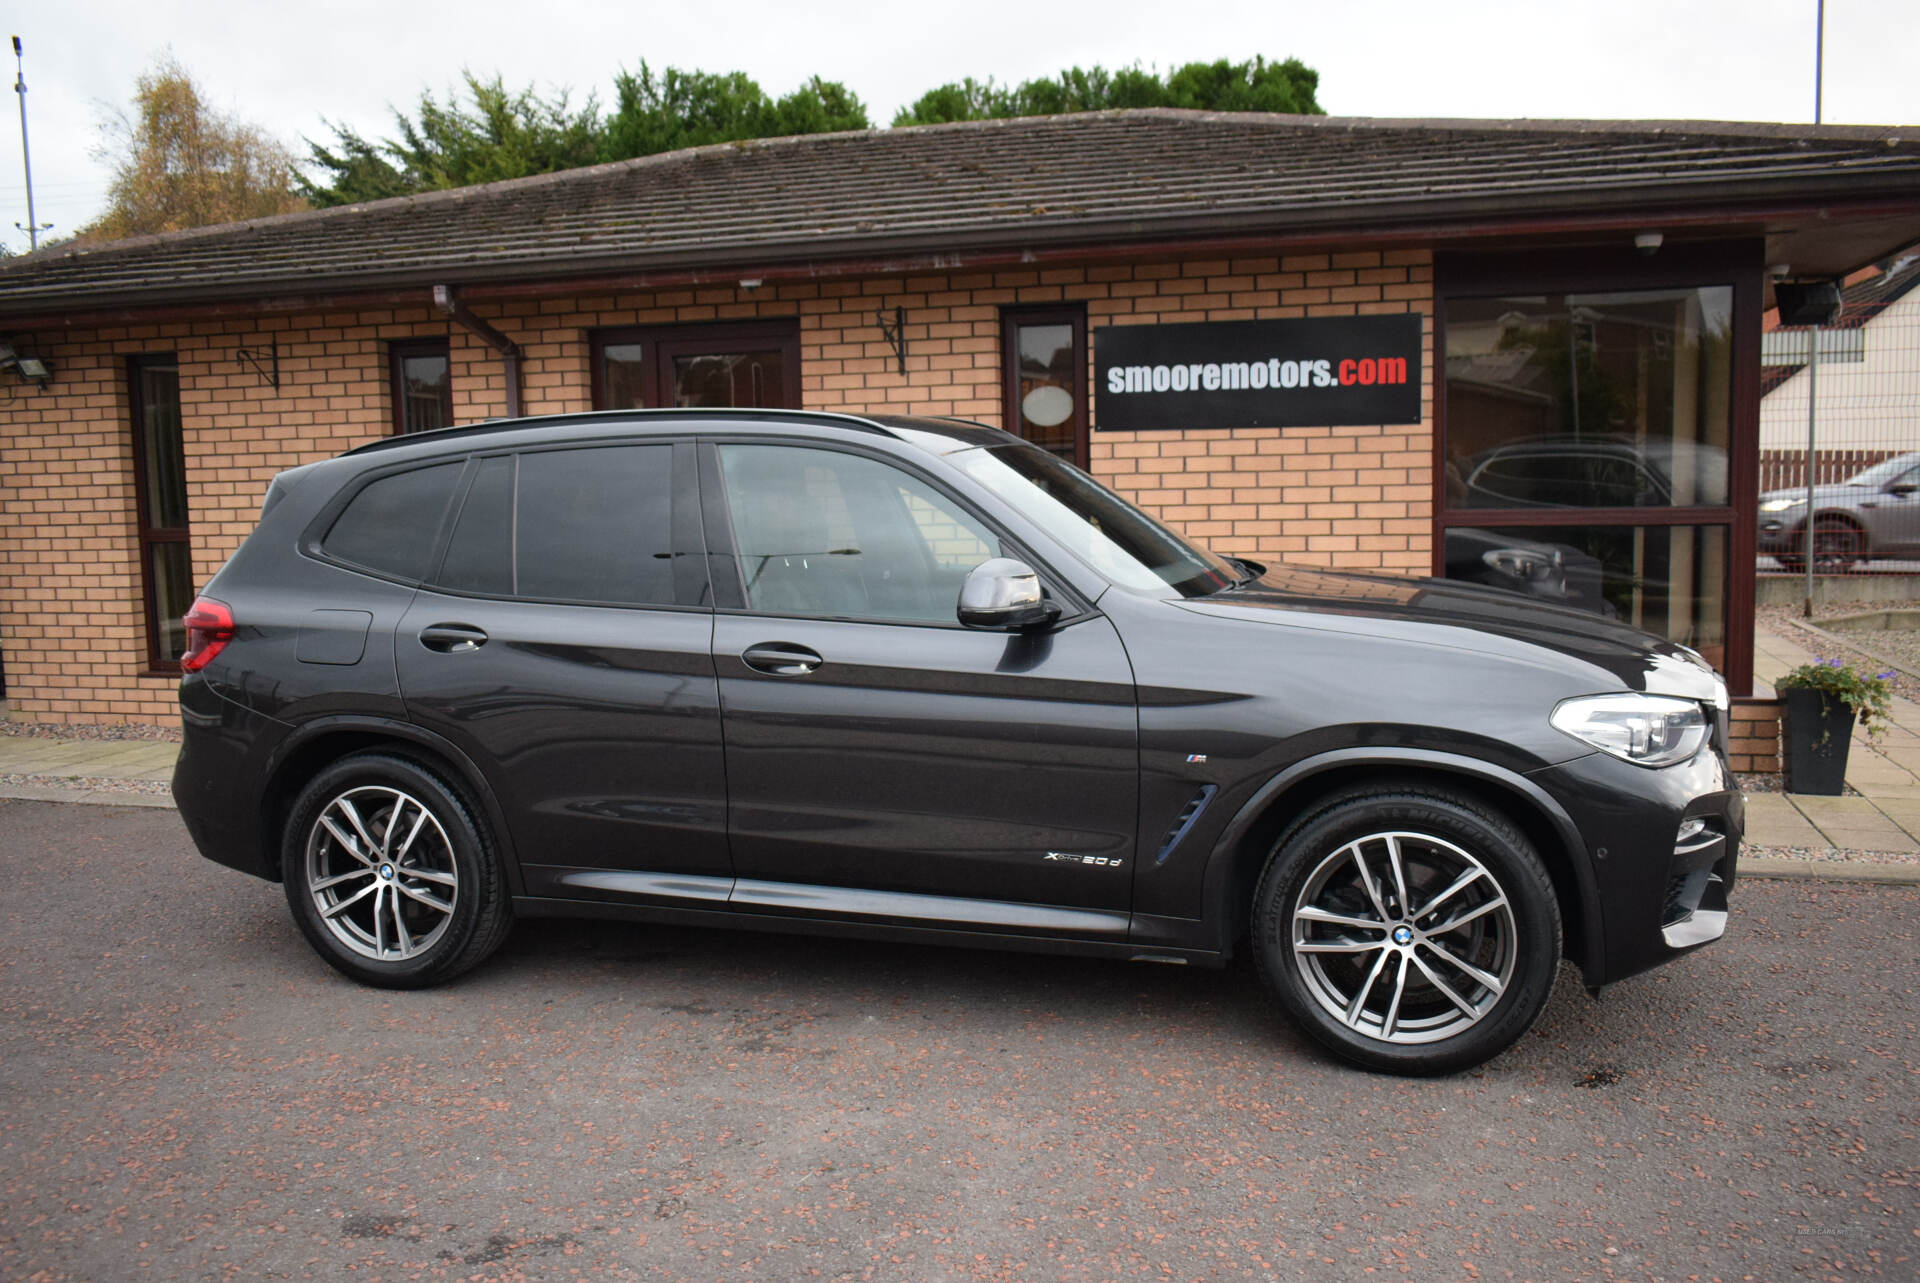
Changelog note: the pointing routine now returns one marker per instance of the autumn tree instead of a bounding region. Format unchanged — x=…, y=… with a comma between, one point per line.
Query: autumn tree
x=1255, y=85
x=179, y=162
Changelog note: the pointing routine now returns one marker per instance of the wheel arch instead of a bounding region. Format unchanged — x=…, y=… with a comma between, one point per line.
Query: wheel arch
x=317, y=744
x=1240, y=853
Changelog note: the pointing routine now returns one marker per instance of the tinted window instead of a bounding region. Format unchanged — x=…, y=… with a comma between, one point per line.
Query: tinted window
x=568, y=525
x=824, y=533
x=480, y=554
x=390, y=526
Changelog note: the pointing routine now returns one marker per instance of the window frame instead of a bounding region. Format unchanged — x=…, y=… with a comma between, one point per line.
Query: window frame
x=729, y=586
x=1012, y=317
x=1737, y=265
x=398, y=353
x=147, y=534
x=662, y=343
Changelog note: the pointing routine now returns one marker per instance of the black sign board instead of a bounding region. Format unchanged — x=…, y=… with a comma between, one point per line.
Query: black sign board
x=1258, y=374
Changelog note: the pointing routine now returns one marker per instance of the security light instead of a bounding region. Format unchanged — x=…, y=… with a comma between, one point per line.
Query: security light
x=34, y=370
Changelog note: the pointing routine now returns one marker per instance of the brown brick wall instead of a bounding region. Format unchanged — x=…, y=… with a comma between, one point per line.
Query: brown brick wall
x=1754, y=744
x=71, y=618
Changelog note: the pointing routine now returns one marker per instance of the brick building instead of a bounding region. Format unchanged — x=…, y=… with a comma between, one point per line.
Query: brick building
x=976, y=270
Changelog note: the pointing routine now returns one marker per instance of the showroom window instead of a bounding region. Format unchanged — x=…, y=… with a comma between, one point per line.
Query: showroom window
x=160, y=492
x=1044, y=359
x=1587, y=436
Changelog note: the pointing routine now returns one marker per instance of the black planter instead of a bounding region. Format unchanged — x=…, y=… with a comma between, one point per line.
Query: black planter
x=1816, y=730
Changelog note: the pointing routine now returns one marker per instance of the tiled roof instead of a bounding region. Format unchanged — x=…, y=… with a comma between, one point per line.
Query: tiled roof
x=1062, y=180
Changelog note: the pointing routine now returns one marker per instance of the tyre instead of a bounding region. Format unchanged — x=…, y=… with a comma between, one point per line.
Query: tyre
x=1837, y=545
x=390, y=877
x=1407, y=929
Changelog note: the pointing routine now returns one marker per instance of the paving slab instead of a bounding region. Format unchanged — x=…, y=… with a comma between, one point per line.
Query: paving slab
x=1774, y=821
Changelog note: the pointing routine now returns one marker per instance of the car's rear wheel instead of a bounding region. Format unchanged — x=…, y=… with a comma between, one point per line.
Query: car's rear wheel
x=1408, y=930
x=389, y=876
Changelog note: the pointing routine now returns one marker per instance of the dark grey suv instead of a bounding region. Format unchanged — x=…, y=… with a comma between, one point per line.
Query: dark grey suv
x=919, y=680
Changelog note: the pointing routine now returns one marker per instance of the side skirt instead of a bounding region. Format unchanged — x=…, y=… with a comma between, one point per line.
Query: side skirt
x=902, y=933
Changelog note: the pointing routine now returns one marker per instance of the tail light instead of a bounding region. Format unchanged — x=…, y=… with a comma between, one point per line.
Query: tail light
x=209, y=629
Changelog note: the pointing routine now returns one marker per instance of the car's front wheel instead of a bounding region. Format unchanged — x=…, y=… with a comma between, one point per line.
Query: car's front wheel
x=1407, y=929
x=389, y=876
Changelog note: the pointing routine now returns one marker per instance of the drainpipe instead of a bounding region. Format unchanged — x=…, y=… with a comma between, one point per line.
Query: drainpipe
x=509, y=350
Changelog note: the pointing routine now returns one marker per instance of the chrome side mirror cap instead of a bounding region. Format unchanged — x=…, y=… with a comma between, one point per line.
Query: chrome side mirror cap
x=1004, y=595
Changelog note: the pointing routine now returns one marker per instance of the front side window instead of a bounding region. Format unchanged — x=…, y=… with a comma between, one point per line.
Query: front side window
x=1122, y=543
x=592, y=525
x=160, y=491
x=422, y=385
x=821, y=533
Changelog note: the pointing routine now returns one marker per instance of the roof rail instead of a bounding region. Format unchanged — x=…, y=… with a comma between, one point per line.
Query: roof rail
x=493, y=427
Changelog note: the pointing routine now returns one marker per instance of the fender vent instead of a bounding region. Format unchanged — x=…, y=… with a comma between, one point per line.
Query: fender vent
x=1185, y=821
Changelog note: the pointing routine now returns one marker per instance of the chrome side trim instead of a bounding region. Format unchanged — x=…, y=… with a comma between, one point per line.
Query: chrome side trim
x=788, y=897
x=681, y=886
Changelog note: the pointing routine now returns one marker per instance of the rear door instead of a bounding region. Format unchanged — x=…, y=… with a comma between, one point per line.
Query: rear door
x=564, y=644
x=882, y=760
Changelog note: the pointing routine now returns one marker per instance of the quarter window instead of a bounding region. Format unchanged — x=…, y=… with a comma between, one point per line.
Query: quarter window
x=822, y=533
x=391, y=525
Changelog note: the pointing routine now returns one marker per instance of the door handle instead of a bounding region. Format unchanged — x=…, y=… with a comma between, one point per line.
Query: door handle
x=452, y=639
x=781, y=659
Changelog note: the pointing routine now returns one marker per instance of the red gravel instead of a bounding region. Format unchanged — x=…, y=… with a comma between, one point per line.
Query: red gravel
x=187, y=1093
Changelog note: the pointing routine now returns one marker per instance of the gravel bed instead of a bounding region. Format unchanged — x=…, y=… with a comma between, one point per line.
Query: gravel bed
x=1869, y=649
x=99, y=783
x=1828, y=855
x=89, y=731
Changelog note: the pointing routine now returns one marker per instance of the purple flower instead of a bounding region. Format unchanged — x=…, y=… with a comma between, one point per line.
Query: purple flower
x=1883, y=676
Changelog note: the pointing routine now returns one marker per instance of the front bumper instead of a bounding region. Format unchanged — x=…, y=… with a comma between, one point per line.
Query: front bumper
x=1663, y=847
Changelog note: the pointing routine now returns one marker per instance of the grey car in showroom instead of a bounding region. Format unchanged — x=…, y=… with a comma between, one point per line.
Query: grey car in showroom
x=1873, y=513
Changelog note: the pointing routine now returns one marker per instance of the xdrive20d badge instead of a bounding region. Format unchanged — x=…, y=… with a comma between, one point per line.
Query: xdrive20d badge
x=921, y=681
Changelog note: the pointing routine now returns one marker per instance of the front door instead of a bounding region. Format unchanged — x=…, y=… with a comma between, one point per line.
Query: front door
x=880, y=755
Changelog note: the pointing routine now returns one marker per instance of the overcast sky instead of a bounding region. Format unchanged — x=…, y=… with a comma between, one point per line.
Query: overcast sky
x=286, y=65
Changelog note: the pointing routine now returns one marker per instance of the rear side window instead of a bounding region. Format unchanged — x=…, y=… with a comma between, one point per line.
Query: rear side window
x=591, y=525
x=391, y=524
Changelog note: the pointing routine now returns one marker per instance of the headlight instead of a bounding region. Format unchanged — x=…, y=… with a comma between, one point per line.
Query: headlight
x=1781, y=505
x=1524, y=563
x=1647, y=730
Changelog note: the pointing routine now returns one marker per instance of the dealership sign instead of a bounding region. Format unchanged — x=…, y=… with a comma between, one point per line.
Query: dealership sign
x=1258, y=374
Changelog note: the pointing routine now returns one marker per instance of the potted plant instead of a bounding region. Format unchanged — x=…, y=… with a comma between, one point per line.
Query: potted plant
x=1823, y=701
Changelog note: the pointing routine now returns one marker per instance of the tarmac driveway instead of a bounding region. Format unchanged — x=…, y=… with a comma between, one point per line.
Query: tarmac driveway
x=186, y=1092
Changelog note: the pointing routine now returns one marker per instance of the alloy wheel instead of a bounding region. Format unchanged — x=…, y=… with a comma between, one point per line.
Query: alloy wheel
x=381, y=873
x=1404, y=937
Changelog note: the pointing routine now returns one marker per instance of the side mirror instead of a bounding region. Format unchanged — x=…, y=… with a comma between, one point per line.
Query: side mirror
x=1902, y=488
x=1004, y=595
